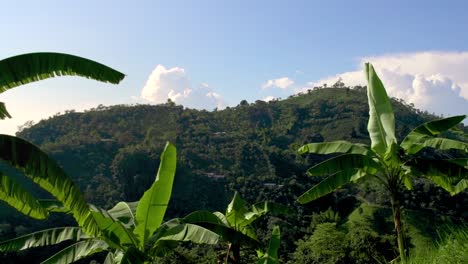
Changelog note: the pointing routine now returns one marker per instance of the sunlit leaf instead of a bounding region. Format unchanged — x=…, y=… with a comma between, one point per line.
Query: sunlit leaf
x=451, y=176
x=44, y=171
x=43, y=238
x=112, y=230
x=426, y=134
x=342, y=162
x=335, y=147
x=125, y=213
x=152, y=206
x=381, y=124
x=236, y=210
x=77, y=251
x=329, y=184
x=14, y=195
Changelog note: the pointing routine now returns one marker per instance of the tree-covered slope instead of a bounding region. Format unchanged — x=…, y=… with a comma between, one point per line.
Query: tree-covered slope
x=112, y=153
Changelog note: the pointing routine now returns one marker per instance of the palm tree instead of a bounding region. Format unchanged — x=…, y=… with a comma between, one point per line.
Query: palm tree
x=391, y=164
x=26, y=68
x=129, y=232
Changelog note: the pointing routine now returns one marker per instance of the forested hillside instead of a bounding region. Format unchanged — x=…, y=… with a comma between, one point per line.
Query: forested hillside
x=112, y=154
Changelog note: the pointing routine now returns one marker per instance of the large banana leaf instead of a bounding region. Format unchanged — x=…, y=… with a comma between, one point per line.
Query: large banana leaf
x=259, y=209
x=152, y=206
x=204, y=217
x=451, y=176
x=43, y=238
x=271, y=256
x=213, y=222
x=190, y=232
x=235, y=212
x=26, y=68
x=173, y=232
x=125, y=213
x=36, y=165
x=77, y=251
x=232, y=235
x=221, y=217
x=426, y=134
x=13, y=194
x=381, y=124
x=112, y=230
x=341, y=163
x=335, y=147
x=330, y=184
x=453, y=186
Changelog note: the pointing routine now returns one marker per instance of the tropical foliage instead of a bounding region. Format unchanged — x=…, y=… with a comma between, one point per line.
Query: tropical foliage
x=27, y=158
x=130, y=232
x=26, y=68
x=236, y=226
x=391, y=164
x=111, y=154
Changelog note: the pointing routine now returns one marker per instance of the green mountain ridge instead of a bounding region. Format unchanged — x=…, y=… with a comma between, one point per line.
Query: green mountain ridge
x=112, y=153
x=116, y=148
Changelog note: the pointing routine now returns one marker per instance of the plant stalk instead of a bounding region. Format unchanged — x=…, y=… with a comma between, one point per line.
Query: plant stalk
x=398, y=227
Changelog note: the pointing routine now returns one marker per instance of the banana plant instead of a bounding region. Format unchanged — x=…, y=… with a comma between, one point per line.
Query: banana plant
x=26, y=68
x=271, y=255
x=129, y=232
x=235, y=226
x=393, y=165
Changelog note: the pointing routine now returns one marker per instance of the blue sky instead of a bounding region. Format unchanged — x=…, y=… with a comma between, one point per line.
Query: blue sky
x=232, y=49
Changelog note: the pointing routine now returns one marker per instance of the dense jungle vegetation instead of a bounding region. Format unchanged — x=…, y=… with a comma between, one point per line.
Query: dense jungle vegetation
x=112, y=153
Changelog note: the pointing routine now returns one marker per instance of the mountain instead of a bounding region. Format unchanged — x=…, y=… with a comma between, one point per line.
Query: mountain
x=112, y=153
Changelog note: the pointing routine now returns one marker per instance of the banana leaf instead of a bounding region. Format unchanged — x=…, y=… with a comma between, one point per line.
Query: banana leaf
x=112, y=231
x=14, y=195
x=41, y=238
x=271, y=256
x=330, y=184
x=26, y=68
x=36, y=165
x=335, y=147
x=426, y=134
x=342, y=162
x=381, y=124
x=77, y=251
x=125, y=213
x=152, y=206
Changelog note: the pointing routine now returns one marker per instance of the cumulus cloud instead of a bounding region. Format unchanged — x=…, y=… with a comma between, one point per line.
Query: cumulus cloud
x=432, y=81
x=269, y=98
x=174, y=84
x=282, y=83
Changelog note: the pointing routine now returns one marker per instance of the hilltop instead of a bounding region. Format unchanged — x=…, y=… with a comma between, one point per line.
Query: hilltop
x=112, y=154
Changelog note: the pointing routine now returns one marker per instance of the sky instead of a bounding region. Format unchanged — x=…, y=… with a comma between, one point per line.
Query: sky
x=213, y=54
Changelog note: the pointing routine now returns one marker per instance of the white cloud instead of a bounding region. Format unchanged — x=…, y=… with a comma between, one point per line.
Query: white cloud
x=269, y=98
x=282, y=83
x=432, y=81
x=174, y=84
